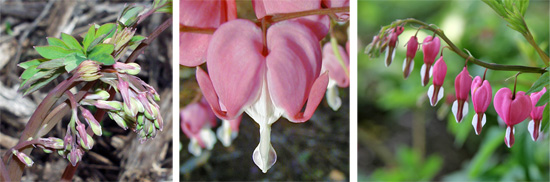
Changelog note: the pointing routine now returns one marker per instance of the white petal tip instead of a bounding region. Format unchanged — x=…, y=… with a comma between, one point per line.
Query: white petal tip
x=264, y=163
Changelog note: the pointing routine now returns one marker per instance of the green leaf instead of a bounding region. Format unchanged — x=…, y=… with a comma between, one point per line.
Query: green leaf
x=71, y=41
x=57, y=42
x=72, y=61
x=52, y=52
x=29, y=72
x=106, y=59
x=129, y=15
x=89, y=37
x=543, y=99
x=541, y=82
x=102, y=32
x=34, y=62
x=103, y=49
x=39, y=75
x=42, y=83
x=490, y=143
x=51, y=64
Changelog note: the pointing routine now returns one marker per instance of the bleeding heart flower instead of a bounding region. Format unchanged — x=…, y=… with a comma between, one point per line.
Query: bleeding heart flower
x=228, y=131
x=196, y=121
x=463, y=83
x=536, y=114
x=513, y=109
x=481, y=98
x=318, y=24
x=392, y=42
x=201, y=14
x=430, y=48
x=338, y=77
x=435, y=92
x=264, y=84
x=408, y=63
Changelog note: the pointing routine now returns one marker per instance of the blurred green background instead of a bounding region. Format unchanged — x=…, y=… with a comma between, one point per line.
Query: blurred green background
x=401, y=137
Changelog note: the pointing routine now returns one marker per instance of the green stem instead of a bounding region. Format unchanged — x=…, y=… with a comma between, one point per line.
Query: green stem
x=454, y=48
x=529, y=37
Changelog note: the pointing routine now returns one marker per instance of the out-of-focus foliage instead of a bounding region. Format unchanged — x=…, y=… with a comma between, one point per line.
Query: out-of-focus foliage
x=391, y=107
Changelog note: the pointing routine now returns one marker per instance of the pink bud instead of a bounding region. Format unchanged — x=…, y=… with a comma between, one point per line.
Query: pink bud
x=435, y=92
x=512, y=109
x=430, y=49
x=536, y=114
x=24, y=158
x=392, y=42
x=463, y=83
x=408, y=64
x=481, y=98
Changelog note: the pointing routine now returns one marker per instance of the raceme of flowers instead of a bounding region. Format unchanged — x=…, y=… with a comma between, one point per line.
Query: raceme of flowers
x=266, y=72
x=513, y=107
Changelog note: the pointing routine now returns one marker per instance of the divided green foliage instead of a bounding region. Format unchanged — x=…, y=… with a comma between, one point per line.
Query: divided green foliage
x=512, y=11
x=57, y=42
x=53, y=52
x=541, y=82
x=129, y=15
x=164, y=6
x=102, y=53
x=71, y=42
x=72, y=61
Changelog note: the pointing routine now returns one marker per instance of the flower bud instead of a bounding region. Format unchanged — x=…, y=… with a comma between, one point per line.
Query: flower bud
x=118, y=119
x=92, y=122
x=408, y=63
x=430, y=49
x=482, y=93
x=52, y=142
x=129, y=68
x=109, y=105
x=436, y=91
x=98, y=95
x=463, y=83
x=536, y=114
x=88, y=71
x=23, y=158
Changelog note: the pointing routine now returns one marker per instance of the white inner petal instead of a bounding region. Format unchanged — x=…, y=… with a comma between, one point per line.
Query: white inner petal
x=264, y=155
x=531, y=128
x=208, y=137
x=411, y=66
x=333, y=98
x=194, y=147
x=422, y=71
x=474, y=123
x=225, y=134
x=454, y=108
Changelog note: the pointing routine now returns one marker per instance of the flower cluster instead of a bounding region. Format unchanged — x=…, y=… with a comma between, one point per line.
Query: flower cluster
x=267, y=69
x=513, y=107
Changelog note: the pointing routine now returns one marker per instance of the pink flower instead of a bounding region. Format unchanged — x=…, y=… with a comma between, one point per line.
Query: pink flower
x=536, y=114
x=338, y=77
x=196, y=121
x=435, y=92
x=408, y=63
x=463, y=83
x=512, y=109
x=481, y=98
x=264, y=84
x=201, y=14
x=318, y=24
x=392, y=42
x=430, y=48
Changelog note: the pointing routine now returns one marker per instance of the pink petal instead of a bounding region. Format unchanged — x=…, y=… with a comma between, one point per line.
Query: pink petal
x=481, y=96
x=236, y=65
x=430, y=48
x=520, y=108
x=502, y=101
x=201, y=14
x=463, y=83
x=536, y=112
x=331, y=63
x=194, y=117
x=439, y=72
x=294, y=62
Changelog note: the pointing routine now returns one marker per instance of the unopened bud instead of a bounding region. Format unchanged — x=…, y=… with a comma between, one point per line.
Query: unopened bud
x=98, y=95
x=92, y=122
x=23, y=158
x=88, y=71
x=118, y=119
x=129, y=68
x=88, y=144
x=109, y=105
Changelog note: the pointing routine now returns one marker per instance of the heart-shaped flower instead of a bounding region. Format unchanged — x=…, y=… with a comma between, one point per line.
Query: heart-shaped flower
x=201, y=14
x=536, y=114
x=430, y=48
x=513, y=109
x=391, y=40
x=408, y=63
x=463, y=83
x=338, y=77
x=481, y=98
x=265, y=82
x=436, y=91
x=196, y=121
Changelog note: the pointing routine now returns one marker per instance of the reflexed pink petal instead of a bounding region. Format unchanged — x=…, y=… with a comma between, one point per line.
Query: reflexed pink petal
x=293, y=64
x=201, y=14
x=315, y=96
x=235, y=64
x=536, y=113
x=331, y=63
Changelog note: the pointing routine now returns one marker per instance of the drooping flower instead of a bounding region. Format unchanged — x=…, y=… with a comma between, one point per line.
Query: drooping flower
x=201, y=14
x=265, y=85
x=196, y=122
x=408, y=63
x=513, y=109
x=536, y=114
x=463, y=83
x=430, y=48
x=338, y=77
x=481, y=98
x=391, y=40
x=318, y=24
x=435, y=92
